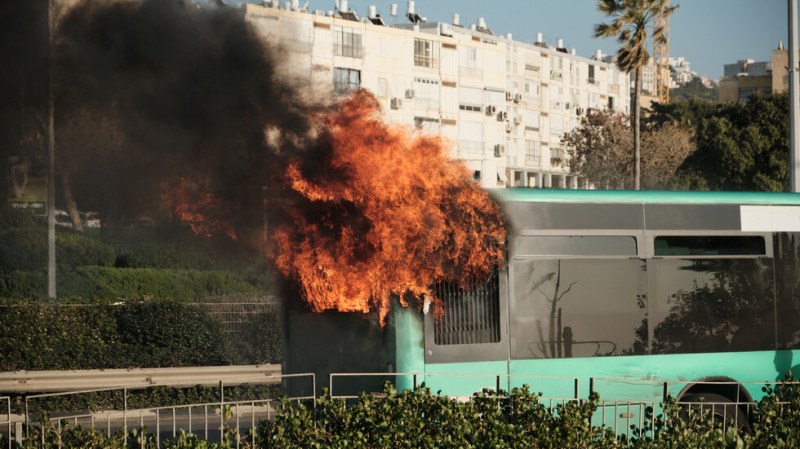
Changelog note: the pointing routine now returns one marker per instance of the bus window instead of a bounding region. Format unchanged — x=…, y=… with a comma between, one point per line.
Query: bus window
x=710, y=245
x=566, y=308
x=787, y=285
x=575, y=245
x=711, y=305
x=470, y=316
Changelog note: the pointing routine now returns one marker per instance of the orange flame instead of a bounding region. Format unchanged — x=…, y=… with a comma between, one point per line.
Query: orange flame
x=200, y=209
x=395, y=217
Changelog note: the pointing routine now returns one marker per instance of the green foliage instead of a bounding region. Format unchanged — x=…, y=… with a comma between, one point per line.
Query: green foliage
x=421, y=419
x=740, y=146
x=46, y=336
x=777, y=420
x=259, y=340
x=23, y=246
x=94, y=282
x=693, y=90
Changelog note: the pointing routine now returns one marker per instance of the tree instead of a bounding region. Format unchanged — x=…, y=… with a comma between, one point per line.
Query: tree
x=599, y=149
x=630, y=20
x=740, y=146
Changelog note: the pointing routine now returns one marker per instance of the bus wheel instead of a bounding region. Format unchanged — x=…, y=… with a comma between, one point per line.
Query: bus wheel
x=722, y=409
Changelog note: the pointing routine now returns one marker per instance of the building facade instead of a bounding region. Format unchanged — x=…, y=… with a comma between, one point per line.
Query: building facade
x=503, y=104
x=748, y=77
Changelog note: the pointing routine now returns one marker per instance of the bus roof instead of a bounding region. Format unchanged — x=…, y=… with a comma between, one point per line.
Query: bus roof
x=533, y=195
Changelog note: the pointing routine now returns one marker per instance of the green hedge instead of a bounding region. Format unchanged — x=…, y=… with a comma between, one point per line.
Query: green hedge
x=25, y=249
x=45, y=336
x=94, y=282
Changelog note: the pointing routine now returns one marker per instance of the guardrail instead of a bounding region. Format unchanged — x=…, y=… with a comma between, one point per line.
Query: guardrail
x=211, y=420
x=75, y=380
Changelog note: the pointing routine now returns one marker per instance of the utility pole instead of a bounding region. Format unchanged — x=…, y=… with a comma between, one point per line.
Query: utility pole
x=51, y=158
x=794, y=102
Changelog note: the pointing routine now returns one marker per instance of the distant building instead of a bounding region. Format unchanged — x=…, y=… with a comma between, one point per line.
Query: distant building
x=747, y=77
x=504, y=104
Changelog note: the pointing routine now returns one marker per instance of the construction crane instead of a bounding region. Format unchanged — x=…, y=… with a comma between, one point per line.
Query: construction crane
x=661, y=56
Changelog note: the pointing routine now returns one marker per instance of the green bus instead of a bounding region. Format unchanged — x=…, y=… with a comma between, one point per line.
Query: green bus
x=634, y=295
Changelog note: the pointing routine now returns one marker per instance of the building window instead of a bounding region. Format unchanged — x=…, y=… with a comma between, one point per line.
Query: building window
x=348, y=43
x=533, y=152
x=470, y=107
x=345, y=80
x=532, y=88
x=426, y=53
x=591, y=74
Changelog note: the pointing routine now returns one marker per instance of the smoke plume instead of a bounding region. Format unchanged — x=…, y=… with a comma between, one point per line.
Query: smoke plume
x=161, y=105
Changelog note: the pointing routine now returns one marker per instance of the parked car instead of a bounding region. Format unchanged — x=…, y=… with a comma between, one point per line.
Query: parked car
x=62, y=218
x=91, y=219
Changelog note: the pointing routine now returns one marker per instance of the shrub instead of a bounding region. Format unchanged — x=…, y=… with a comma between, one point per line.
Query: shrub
x=48, y=336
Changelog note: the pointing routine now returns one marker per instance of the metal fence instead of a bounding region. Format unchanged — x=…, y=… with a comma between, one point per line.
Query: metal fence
x=211, y=421
x=5, y=418
x=234, y=311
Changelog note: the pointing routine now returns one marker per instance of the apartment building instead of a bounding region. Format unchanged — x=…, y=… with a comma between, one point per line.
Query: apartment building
x=503, y=104
x=747, y=77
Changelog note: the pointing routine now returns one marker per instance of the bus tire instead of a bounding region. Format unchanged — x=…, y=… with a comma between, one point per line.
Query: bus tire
x=721, y=408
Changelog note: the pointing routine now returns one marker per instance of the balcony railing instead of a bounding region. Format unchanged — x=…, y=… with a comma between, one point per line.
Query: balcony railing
x=350, y=51
x=426, y=61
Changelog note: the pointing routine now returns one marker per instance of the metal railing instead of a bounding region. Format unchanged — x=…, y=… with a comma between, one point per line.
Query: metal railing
x=211, y=419
x=76, y=380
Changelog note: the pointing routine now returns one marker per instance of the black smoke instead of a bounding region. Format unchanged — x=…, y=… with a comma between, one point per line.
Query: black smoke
x=149, y=91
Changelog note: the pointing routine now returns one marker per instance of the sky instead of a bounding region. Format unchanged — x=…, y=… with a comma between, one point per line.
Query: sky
x=708, y=33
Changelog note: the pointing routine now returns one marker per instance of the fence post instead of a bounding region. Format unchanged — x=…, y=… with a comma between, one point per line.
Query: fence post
x=576, y=388
x=221, y=412
x=591, y=386
x=125, y=412
x=666, y=392
x=415, y=381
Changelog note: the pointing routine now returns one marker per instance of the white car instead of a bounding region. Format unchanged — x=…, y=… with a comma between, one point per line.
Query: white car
x=91, y=219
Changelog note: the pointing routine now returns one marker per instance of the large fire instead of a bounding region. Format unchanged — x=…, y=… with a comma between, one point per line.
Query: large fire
x=392, y=216
x=204, y=212
x=366, y=213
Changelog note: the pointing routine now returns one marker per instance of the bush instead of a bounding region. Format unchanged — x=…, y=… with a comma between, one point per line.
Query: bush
x=47, y=336
x=25, y=249
x=92, y=282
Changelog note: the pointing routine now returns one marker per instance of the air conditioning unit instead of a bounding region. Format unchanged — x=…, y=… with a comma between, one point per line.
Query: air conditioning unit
x=517, y=98
x=509, y=96
x=499, y=150
x=509, y=127
x=490, y=110
x=397, y=103
x=502, y=116
x=517, y=119
x=409, y=93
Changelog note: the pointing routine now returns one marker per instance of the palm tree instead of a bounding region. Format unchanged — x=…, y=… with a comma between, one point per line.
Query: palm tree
x=629, y=22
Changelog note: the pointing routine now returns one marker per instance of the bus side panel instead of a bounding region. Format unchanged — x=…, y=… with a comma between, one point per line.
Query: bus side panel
x=642, y=378
x=465, y=379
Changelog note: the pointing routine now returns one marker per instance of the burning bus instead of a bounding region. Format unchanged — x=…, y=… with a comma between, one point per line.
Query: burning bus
x=635, y=295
